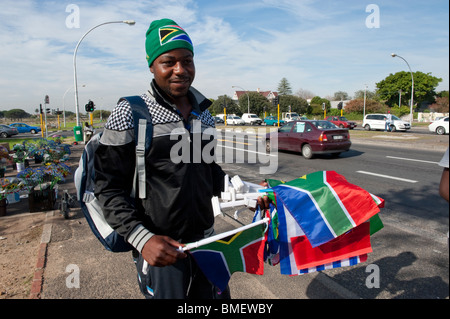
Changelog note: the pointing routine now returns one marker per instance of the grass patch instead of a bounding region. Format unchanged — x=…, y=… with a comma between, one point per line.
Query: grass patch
x=12, y=142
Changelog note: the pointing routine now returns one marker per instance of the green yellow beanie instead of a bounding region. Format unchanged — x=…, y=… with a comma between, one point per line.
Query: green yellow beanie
x=165, y=35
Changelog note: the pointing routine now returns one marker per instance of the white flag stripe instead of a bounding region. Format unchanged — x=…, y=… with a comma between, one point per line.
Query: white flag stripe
x=344, y=209
x=325, y=220
x=212, y=239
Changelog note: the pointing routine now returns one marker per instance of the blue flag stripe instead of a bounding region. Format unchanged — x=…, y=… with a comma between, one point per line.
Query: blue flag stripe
x=214, y=266
x=306, y=212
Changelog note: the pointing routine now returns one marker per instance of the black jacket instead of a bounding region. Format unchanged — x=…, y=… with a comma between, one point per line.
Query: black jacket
x=180, y=181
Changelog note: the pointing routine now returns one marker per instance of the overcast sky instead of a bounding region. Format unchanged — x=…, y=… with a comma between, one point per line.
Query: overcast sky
x=320, y=46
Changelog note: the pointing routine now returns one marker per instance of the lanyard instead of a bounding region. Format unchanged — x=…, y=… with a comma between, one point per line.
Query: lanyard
x=187, y=124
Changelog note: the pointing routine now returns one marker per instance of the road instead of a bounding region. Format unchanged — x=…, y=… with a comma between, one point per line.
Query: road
x=411, y=251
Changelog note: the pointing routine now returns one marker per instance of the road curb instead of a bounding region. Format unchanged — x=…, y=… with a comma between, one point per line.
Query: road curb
x=39, y=270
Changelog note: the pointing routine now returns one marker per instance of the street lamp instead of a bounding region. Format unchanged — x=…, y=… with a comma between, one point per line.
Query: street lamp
x=248, y=98
x=412, y=87
x=64, y=104
x=364, y=108
x=129, y=22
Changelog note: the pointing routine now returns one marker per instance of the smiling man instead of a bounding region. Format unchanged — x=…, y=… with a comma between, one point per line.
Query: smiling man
x=177, y=206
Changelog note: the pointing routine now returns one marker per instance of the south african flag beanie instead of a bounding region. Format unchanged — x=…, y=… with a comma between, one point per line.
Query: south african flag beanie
x=165, y=35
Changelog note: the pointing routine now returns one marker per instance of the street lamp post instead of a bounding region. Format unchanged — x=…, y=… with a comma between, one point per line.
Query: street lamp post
x=248, y=98
x=412, y=87
x=129, y=22
x=364, y=108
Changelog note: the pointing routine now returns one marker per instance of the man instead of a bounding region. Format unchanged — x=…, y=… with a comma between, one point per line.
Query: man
x=444, y=183
x=177, y=208
x=388, y=122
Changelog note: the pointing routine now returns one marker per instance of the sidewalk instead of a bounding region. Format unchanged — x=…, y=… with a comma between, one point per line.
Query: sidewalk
x=25, y=237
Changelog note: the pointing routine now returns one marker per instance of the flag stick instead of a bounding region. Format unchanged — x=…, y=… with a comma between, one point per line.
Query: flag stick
x=222, y=235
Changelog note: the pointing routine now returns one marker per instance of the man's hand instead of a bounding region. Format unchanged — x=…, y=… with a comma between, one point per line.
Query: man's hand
x=263, y=202
x=162, y=251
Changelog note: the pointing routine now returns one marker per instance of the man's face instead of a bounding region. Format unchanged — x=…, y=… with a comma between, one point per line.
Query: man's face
x=174, y=72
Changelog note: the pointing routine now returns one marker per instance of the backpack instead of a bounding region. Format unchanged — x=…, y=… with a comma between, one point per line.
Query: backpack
x=84, y=176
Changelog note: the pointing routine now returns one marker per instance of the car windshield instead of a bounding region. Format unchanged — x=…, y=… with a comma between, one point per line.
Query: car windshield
x=343, y=118
x=395, y=118
x=323, y=125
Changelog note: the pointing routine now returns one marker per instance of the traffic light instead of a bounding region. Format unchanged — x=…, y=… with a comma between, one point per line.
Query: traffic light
x=339, y=106
x=275, y=101
x=90, y=106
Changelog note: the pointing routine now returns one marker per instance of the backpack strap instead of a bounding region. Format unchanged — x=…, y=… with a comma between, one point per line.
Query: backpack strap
x=143, y=132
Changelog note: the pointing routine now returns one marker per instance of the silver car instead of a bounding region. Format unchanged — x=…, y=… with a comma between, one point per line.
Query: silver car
x=7, y=131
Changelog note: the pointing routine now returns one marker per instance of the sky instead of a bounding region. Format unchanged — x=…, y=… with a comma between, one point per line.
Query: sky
x=322, y=46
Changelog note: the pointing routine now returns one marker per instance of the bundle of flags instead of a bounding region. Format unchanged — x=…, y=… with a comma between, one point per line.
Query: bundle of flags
x=317, y=222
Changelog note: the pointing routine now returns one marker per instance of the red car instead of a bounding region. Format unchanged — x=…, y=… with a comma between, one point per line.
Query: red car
x=341, y=121
x=312, y=137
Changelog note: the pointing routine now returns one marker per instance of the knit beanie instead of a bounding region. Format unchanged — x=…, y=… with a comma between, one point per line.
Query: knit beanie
x=165, y=35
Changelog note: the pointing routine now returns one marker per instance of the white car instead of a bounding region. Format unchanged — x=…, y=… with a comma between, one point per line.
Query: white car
x=378, y=122
x=439, y=126
x=250, y=118
x=234, y=120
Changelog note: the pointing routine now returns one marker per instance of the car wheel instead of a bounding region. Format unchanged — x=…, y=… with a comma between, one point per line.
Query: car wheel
x=393, y=128
x=440, y=130
x=33, y=132
x=275, y=124
x=307, y=151
x=367, y=127
x=4, y=135
x=267, y=146
x=341, y=125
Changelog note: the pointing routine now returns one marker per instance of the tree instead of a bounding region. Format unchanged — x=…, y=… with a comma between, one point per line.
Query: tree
x=357, y=106
x=284, y=88
x=258, y=103
x=16, y=114
x=341, y=96
x=305, y=94
x=221, y=102
x=296, y=103
x=424, y=87
x=369, y=95
x=316, y=105
x=442, y=94
x=441, y=105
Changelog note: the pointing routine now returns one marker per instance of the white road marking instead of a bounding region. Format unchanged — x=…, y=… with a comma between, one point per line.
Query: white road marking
x=388, y=176
x=249, y=151
x=411, y=159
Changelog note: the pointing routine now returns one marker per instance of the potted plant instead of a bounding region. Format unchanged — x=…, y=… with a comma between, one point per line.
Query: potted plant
x=48, y=150
x=4, y=160
x=42, y=185
x=20, y=156
x=35, y=149
x=9, y=192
